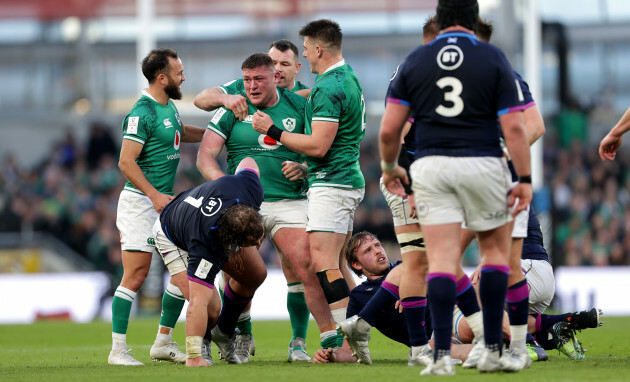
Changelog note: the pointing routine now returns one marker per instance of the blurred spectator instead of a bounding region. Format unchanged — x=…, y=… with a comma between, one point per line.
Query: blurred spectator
x=74, y=193
x=100, y=143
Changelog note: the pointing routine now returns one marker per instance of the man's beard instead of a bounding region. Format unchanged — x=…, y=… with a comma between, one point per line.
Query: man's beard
x=172, y=90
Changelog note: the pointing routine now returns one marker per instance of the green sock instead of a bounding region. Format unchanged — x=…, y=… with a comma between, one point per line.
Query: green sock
x=244, y=323
x=121, y=309
x=172, y=303
x=332, y=342
x=298, y=310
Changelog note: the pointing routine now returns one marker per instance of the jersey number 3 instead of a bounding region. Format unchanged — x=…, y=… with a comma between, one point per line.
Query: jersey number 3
x=452, y=95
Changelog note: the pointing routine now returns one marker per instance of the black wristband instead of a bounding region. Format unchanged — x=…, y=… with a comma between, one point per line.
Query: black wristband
x=275, y=132
x=525, y=179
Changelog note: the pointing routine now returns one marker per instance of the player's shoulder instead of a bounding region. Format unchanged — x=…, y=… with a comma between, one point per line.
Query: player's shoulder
x=145, y=109
x=296, y=101
x=222, y=114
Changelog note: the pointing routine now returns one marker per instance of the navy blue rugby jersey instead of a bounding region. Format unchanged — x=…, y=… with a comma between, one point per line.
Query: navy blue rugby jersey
x=189, y=220
x=392, y=323
x=457, y=86
x=533, y=247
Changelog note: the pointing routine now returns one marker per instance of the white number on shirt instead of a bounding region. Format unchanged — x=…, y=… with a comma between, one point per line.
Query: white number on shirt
x=452, y=96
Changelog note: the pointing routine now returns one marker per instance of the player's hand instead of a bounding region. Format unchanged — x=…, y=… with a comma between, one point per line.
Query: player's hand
x=520, y=197
x=398, y=306
x=476, y=275
x=238, y=104
x=261, y=122
x=160, y=200
x=293, y=170
x=392, y=180
x=608, y=147
x=413, y=213
x=324, y=356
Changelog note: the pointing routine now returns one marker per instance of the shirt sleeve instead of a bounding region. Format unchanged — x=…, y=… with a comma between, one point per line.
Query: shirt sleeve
x=327, y=105
x=222, y=122
x=397, y=90
x=137, y=127
x=233, y=87
x=528, y=99
x=509, y=97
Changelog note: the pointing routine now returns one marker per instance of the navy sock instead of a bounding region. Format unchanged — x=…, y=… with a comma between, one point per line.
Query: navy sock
x=415, y=311
x=529, y=338
x=441, y=294
x=384, y=298
x=546, y=321
x=492, y=290
x=233, y=306
x=466, y=297
x=517, y=298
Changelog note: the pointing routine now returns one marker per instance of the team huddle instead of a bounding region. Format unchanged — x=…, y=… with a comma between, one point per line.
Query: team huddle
x=454, y=144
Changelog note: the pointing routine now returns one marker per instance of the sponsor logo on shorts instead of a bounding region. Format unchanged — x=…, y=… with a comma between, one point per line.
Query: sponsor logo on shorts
x=151, y=241
x=422, y=209
x=497, y=215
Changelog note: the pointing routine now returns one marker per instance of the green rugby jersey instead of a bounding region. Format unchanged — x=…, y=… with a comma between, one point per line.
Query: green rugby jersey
x=337, y=97
x=159, y=129
x=238, y=86
x=241, y=140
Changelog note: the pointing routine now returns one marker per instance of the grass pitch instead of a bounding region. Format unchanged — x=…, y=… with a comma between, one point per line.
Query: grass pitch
x=65, y=351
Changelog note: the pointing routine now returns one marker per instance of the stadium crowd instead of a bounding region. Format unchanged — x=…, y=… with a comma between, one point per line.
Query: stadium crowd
x=72, y=194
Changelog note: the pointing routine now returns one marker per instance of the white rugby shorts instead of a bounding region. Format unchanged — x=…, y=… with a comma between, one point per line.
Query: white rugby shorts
x=399, y=206
x=331, y=209
x=175, y=258
x=287, y=213
x=541, y=283
x=135, y=217
x=473, y=190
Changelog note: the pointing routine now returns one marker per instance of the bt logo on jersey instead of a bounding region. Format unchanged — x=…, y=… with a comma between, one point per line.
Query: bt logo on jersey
x=450, y=57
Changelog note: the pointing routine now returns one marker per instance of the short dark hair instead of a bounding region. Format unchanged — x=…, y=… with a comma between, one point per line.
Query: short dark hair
x=239, y=226
x=324, y=30
x=430, y=27
x=284, y=45
x=484, y=30
x=355, y=242
x=257, y=60
x=157, y=62
x=458, y=12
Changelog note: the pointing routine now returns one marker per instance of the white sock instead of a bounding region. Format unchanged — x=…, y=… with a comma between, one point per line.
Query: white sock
x=339, y=315
x=475, y=321
x=119, y=341
x=164, y=337
x=518, y=334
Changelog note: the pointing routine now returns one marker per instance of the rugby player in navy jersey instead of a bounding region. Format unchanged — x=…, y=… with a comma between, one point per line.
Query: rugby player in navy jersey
x=375, y=300
x=213, y=227
x=456, y=87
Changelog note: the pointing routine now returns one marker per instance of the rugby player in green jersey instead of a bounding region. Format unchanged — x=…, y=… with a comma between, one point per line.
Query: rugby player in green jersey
x=284, y=206
x=152, y=134
x=335, y=125
x=231, y=96
x=287, y=63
